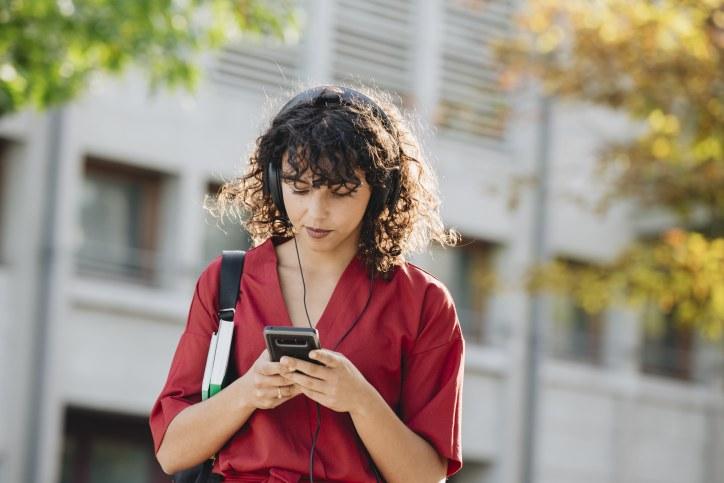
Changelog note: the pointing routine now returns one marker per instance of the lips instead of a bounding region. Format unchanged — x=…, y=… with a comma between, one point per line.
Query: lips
x=317, y=233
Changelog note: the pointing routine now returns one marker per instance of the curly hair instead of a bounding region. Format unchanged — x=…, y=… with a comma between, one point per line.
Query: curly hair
x=334, y=142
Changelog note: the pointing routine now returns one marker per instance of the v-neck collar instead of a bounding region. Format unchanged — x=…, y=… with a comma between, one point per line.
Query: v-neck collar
x=339, y=304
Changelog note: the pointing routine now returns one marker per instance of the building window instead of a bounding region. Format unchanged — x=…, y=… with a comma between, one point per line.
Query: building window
x=473, y=472
x=667, y=349
x=264, y=63
x=119, y=221
x=217, y=237
x=474, y=284
x=108, y=448
x=471, y=105
x=372, y=42
x=575, y=333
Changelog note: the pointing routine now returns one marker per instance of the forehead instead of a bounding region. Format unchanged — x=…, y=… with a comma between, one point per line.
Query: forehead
x=327, y=168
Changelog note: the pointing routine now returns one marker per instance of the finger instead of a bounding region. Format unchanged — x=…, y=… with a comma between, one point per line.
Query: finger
x=286, y=391
x=270, y=368
x=270, y=381
x=306, y=382
x=314, y=370
x=315, y=396
x=327, y=357
x=291, y=391
x=278, y=393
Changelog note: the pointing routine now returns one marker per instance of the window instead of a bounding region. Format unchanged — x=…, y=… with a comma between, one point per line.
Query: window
x=575, y=333
x=667, y=349
x=373, y=42
x=217, y=238
x=119, y=221
x=473, y=472
x=471, y=106
x=108, y=448
x=259, y=64
x=472, y=290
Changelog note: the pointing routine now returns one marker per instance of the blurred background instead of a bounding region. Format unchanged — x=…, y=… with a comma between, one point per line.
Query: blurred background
x=579, y=147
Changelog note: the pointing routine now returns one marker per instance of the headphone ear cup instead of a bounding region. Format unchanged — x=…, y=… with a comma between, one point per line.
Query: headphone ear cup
x=272, y=185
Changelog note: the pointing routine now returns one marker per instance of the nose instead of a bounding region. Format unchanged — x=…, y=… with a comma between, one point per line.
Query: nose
x=318, y=203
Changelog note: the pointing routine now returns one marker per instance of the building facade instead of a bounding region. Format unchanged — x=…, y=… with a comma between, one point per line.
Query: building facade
x=102, y=237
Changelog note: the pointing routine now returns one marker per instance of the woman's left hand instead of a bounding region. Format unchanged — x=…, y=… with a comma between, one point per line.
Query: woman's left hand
x=337, y=385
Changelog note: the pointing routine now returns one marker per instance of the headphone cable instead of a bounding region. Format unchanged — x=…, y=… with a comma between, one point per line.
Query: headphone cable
x=309, y=321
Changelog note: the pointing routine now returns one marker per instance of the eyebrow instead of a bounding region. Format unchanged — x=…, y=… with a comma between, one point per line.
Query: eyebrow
x=294, y=179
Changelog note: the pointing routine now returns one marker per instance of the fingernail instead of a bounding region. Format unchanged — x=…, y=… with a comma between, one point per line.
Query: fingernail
x=284, y=360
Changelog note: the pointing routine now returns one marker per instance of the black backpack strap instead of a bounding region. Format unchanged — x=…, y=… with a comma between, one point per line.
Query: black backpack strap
x=232, y=265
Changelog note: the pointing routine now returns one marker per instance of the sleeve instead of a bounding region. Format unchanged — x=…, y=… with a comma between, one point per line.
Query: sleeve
x=183, y=384
x=431, y=401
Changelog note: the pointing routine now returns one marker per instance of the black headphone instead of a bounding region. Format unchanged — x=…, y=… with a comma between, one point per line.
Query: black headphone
x=325, y=95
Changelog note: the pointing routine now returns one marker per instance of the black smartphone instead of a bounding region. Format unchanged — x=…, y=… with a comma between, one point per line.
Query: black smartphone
x=294, y=342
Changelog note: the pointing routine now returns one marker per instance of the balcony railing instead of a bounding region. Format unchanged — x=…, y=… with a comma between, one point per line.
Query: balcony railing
x=118, y=262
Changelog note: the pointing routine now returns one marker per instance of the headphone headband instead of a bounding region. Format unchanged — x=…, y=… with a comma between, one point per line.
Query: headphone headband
x=326, y=95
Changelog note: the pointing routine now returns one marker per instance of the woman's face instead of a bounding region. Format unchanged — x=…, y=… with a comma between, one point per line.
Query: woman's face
x=326, y=219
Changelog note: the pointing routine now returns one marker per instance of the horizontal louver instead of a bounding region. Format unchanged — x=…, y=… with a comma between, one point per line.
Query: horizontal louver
x=261, y=66
x=471, y=105
x=372, y=42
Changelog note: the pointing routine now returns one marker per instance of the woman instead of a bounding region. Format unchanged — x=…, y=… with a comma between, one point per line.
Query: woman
x=336, y=194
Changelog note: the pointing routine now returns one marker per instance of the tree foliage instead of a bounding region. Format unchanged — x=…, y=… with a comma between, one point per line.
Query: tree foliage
x=49, y=49
x=662, y=63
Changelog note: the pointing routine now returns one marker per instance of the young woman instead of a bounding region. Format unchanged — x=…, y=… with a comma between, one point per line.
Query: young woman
x=336, y=194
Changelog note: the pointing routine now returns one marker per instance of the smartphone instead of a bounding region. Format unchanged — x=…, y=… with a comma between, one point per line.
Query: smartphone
x=294, y=342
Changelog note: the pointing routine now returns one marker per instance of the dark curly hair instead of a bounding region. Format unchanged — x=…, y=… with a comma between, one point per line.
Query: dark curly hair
x=333, y=142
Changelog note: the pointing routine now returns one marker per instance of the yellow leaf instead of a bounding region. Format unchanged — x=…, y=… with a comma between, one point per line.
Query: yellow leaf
x=717, y=301
x=661, y=148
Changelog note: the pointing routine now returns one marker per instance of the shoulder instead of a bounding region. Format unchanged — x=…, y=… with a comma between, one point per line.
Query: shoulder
x=410, y=277
x=438, y=322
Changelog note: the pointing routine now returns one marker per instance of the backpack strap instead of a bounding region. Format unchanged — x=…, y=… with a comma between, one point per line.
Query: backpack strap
x=232, y=265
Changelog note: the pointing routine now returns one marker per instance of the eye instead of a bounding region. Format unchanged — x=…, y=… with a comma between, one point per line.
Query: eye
x=298, y=187
x=343, y=194
x=344, y=190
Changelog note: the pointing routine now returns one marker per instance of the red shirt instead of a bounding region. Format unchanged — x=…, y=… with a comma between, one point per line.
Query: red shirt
x=407, y=343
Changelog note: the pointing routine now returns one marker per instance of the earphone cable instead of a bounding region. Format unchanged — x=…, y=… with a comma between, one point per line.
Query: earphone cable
x=304, y=286
x=319, y=416
x=309, y=321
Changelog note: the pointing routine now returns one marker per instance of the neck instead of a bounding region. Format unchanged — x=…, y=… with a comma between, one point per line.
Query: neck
x=315, y=261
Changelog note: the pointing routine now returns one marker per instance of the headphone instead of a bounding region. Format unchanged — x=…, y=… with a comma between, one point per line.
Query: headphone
x=383, y=196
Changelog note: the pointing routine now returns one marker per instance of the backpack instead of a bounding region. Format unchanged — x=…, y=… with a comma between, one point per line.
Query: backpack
x=232, y=266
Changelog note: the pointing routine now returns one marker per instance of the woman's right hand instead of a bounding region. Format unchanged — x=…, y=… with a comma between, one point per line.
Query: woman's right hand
x=263, y=384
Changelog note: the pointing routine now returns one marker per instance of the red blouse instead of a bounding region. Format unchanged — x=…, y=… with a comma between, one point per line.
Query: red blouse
x=407, y=343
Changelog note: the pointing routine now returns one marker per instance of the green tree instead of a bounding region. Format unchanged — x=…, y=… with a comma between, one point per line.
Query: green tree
x=661, y=62
x=49, y=49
